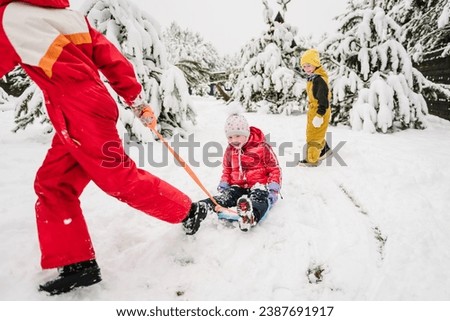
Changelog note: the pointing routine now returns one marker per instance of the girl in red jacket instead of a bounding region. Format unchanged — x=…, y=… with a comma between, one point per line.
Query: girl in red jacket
x=251, y=176
x=63, y=55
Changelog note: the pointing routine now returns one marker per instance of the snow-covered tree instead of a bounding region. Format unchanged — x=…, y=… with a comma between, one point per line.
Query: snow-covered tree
x=374, y=84
x=184, y=44
x=3, y=96
x=15, y=82
x=196, y=76
x=196, y=58
x=138, y=37
x=425, y=24
x=268, y=78
x=28, y=102
x=231, y=62
x=29, y=109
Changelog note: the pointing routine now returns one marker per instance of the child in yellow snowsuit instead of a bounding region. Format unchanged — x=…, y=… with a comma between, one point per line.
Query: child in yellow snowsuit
x=319, y=110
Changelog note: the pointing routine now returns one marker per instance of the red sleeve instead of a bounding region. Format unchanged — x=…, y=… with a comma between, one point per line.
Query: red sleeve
x=116, y=68
x=272, y=165
x=226, y=171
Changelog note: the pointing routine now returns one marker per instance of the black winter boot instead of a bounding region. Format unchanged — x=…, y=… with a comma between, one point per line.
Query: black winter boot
x=245, y=211
x=196, y=215
x=325, y=152
x=73, y=276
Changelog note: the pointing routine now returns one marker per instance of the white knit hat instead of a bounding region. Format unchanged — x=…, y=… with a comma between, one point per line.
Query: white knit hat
x=236, y=124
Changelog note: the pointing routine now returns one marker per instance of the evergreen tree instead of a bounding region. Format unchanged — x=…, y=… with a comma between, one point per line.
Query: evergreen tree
x=15, y=82
x=224, y=79
x=28, y=102
x=267, y=78
x=29, y=108
x=184, y=44
x=374, y=84
x=425, y=24
x=195, y=57
x=196, y=76
x=138, y=37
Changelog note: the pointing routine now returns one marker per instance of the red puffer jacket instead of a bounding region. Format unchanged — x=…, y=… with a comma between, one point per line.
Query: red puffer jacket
x=254, y=163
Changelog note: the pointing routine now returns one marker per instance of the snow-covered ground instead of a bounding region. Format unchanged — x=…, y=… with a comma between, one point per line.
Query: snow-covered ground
x=374, y=229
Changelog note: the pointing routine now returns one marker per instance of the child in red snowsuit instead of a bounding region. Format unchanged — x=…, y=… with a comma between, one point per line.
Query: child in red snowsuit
x=251, y=176
x=63, y=55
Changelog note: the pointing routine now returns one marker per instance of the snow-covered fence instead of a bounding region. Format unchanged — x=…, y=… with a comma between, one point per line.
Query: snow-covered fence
x=437, y=69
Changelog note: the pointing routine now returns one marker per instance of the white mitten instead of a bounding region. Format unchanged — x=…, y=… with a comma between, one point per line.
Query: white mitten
x=317, y=121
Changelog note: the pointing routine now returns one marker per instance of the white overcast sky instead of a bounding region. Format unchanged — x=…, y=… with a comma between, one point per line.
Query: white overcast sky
x=230, y=24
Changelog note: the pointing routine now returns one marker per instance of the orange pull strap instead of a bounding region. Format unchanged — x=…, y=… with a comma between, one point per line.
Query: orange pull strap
x=186, y=167
x=147, y=113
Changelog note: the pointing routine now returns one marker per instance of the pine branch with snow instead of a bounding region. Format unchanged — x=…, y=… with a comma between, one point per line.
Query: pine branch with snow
x=29, y=109
x=15, y=82
x=425, y=24
x=3, y=97
x=196, y=76
x=138, y=37
x=26, y=99
x=267, y=78
x=184, y=44
x=196, y=58
x=374, y=84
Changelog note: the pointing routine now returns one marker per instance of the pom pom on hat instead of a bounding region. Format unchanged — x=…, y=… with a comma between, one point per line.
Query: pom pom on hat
x=236, y=124
x=235, y=108
x=310, y=56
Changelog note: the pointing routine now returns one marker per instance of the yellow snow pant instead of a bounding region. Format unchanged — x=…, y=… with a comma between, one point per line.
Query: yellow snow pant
x=315, y=137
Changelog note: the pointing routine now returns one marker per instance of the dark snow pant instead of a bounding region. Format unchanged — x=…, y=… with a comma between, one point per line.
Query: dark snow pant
x=87, y=147
x=258, y=197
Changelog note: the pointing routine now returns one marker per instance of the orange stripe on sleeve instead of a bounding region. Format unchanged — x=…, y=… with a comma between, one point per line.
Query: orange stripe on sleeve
x=80, y=38
x=56, y=48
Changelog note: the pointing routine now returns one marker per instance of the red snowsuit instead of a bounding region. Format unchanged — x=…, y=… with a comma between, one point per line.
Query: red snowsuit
x=63, y=55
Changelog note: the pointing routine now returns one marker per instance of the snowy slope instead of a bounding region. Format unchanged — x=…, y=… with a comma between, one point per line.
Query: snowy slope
x=376, y=229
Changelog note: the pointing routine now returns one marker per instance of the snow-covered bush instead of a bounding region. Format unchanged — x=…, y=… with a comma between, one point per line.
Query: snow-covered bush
x=196, y=58
x=374, y=83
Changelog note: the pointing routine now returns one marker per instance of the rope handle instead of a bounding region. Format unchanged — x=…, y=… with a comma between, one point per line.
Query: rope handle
x=186, y=167
x=147, y=114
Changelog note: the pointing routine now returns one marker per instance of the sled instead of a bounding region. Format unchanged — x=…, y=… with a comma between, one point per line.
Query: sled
x=231, y=215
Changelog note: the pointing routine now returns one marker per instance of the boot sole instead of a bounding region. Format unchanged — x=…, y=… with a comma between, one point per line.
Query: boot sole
x=70, y=282
x=245, y=227
x=196, y=224
x=327, y=154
